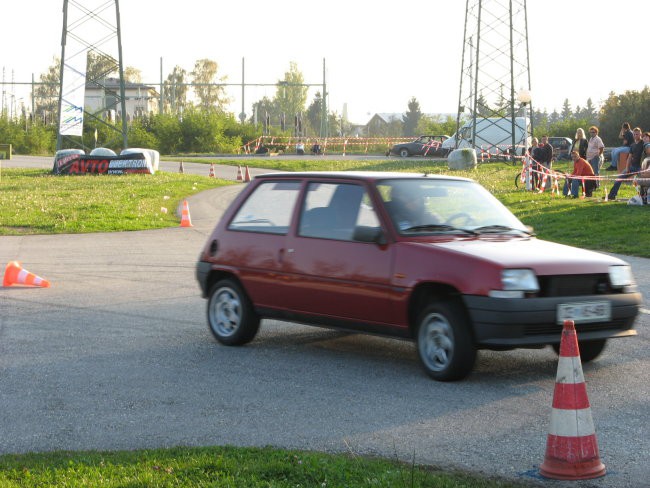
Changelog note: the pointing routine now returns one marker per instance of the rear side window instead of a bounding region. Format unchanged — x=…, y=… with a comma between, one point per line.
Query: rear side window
x=336, y=211
x=268, y=209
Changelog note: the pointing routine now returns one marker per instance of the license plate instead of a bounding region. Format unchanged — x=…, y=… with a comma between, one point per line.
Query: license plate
x=584, y=312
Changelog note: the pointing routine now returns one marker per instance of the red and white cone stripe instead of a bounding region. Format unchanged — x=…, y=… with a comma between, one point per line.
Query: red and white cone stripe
x=571, y=445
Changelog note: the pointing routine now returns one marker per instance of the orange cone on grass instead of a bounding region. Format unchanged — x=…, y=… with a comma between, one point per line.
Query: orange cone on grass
x=571, y=446
x=240, y=177
x=186, y=221
x=211, y=174
x=247, y=176
x=16, y=275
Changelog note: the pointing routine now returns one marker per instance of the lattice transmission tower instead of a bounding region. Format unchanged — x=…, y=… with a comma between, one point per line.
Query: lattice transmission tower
x=495, y=75
x=91, y=55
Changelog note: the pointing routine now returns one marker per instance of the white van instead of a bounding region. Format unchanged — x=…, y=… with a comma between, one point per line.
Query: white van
x=493, y=135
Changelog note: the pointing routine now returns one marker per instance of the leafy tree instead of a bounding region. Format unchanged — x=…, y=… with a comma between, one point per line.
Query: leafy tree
x=210, y=95
x=290, y=95
x=314, y=114
x=437, y=125
x=631, y=106
x=175, y=91
x=566, y=113
x=412, y=117
x=46, y=94
x=132, y=75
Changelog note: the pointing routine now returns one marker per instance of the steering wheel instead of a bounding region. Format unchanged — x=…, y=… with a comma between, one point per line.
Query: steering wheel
x=463, y=219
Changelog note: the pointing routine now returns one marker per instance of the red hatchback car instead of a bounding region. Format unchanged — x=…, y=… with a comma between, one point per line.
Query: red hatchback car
x=434, y=259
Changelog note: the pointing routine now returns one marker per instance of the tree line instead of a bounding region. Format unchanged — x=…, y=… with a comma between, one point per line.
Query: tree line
x=201, y=123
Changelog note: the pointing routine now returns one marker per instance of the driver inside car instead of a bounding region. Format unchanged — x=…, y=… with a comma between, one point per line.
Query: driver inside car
x=407, y=208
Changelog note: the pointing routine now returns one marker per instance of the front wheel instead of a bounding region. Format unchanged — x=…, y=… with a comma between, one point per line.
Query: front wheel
x=404, y=153
x=231, y=317
x=589, y=350
x=444, y=341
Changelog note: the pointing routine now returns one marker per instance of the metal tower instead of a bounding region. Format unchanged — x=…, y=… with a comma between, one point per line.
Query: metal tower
x=91, y=55
x=495, y=76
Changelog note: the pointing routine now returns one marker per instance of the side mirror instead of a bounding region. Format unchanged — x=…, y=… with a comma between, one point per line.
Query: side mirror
x=364, y=233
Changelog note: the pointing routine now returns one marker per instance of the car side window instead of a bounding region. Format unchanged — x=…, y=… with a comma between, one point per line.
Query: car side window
x=335, y=211
x=268, y=209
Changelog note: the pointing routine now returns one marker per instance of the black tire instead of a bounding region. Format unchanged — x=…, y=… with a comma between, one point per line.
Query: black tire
x=589, y=350
x=444, y=341
x=404, y=152
x=231, y=317
x=517, y=179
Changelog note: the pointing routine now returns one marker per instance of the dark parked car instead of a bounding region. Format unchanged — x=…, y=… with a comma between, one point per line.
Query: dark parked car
x=422, y=146
x=434, y=259
x=561, y=147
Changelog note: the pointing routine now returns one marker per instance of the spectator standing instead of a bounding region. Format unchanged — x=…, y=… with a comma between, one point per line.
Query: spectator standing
x=595, y=148
x=580, y=143
x=582, y=171
x=634, y=164
x=628, y=139
x=546, y=153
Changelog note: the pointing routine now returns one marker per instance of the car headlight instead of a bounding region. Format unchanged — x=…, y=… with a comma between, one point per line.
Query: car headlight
x=515, y=283
x=621, y=276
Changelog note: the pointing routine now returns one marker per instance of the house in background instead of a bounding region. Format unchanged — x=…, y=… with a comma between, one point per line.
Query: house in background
x=389, y=123
x=140, y=99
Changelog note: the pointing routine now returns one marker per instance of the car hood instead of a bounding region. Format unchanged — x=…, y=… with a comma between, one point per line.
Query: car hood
x=543, y=257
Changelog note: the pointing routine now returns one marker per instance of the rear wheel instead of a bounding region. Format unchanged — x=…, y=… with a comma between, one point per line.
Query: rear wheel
x=231, y=317
x=444, y=341
x=589, y=350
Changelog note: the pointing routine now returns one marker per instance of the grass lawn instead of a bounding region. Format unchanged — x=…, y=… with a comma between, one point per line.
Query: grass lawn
x=36, y=202
x=226, y=467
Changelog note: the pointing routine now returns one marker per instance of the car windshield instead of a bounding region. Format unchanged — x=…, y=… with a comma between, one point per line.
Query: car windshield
x=432, y=206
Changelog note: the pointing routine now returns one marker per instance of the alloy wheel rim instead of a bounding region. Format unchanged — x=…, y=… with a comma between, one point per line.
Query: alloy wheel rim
x=436, y=342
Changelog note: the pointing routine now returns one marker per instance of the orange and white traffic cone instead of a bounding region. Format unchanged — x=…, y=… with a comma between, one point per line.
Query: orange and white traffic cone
x=247, y=176
x=186, y=221
x=571, y=446
x=211, y=174
x=16, y=275
x=180, y=168
x=240, y=177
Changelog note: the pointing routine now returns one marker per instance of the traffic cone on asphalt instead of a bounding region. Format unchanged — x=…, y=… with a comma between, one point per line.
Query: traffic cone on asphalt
x=247, y=176
x=240, y=177
x=186, y=221
x=180, y=168
x=16, y=275
x=571, y=446
x=211, y=175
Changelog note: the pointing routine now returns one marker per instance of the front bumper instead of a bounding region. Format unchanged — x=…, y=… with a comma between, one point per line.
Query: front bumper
x=499, y=322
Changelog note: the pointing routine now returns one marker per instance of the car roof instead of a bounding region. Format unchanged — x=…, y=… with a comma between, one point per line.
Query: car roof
x=357, y=175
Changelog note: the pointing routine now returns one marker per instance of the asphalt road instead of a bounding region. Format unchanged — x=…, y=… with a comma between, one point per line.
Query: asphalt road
x=117, y=355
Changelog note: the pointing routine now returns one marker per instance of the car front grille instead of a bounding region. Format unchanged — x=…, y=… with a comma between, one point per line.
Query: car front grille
x=574, y=285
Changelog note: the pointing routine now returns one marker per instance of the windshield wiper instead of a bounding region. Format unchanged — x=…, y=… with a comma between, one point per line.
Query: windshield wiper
x=498, y=229
x=438, y=228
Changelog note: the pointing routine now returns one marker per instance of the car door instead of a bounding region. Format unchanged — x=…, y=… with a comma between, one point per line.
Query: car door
x=331, y=272
x=256, y=241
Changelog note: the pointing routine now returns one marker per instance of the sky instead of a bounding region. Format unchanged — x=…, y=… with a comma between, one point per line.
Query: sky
x=377, y=55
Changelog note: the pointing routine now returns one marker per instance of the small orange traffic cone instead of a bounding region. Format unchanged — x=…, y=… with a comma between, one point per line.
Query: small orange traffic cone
x=186, y=221
x=571, y=446
x=240, y=177
x=211, y=175
x=247, y=176
x=16, y=275
x=180, y=168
